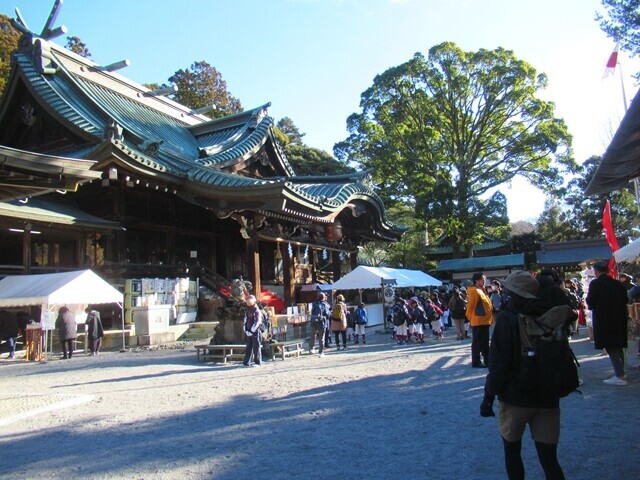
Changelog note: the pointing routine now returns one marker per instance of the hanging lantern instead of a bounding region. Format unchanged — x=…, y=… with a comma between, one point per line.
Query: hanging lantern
x=333, y=232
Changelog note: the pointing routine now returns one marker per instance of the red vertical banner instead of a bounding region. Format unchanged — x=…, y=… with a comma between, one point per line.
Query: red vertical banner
x=607, y=225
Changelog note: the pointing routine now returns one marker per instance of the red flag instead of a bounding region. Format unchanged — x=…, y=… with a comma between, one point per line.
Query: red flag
x=612, y=62
x=610, y=235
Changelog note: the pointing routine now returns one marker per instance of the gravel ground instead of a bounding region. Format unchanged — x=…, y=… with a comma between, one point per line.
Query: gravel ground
x=374, y=411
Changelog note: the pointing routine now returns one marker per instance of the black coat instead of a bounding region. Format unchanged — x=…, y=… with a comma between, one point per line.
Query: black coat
x=67, y=326
x=94, y=325
x=607, y=299
x=504, y=358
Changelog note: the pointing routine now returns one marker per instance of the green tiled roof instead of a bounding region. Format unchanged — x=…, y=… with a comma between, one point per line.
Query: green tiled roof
x=481, y=263
x=191, y=148
x=52, y=212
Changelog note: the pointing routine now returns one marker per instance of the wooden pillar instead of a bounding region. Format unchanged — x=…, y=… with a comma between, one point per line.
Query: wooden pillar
x=253, y=263
x=288, y=274
x=353, y=258
x=314, y=265
x=335, y=265
x=26, y=248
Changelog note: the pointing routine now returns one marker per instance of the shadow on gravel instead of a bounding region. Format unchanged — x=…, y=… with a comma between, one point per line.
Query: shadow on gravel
x=423, y=423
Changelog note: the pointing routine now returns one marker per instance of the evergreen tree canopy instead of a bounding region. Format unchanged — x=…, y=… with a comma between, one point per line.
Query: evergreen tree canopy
x=202, y=85
x=442, y=132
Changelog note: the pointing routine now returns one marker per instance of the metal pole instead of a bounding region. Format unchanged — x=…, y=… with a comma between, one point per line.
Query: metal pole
x=122, y=317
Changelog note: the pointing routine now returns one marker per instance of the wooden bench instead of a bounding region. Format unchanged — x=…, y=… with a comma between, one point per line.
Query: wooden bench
x=286, y=348
x=220, y=352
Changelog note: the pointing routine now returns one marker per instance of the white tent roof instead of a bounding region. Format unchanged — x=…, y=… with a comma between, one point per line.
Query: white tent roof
x=371, y=277
x=77, y=287
x=628, y=253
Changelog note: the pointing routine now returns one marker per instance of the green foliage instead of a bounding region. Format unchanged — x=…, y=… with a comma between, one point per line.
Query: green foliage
x=9, y=37
x=201, y=85
x=313, y=161
x=622, y=23
x=441, y=132
x=288, y=128
x=585, y=213
x=409, y=252
x=554, y=225
x=305, y=160
x=78, y=46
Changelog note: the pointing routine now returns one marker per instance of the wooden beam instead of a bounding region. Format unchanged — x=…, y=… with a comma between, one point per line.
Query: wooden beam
x=288, y=276
x=253, y=259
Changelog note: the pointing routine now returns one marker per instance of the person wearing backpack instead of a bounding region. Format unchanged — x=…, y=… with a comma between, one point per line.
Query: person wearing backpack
x=522, y=401
x=458, y=312
x=361, y=318
x=399, y=315
x=480, y=315
x=320, y=314
x=252, y=326
x=339, y=322
x=417, y=319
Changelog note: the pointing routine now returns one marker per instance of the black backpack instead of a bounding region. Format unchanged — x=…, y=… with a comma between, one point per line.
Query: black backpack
x=399, y=315
x=459, y=308
x=548, y=367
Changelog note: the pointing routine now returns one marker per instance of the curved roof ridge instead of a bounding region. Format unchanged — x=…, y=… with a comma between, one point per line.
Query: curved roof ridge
x=75, y=65
x=211, y=176
x=243, y=145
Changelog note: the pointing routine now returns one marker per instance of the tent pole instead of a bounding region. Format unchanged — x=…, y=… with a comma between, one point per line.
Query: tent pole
x=122, y=317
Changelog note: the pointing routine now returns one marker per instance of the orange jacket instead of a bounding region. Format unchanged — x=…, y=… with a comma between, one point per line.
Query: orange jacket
x=476, y=295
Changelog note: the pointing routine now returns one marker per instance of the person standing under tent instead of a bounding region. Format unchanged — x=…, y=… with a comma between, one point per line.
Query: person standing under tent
x=361, y=319
x=9, y=331
x=67, y=331
x=95, y=332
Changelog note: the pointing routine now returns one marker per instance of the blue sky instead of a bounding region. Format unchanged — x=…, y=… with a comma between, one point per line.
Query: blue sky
x=313, y=58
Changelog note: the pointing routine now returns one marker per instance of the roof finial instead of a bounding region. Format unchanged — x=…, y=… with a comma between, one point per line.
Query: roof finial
x=48, y=31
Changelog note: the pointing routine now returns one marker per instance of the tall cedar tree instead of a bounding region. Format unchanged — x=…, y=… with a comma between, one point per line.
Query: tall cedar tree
x=445, y=131
x=201, y=85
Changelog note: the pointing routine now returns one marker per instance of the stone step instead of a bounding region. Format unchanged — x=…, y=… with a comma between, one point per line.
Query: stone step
x=192, y=336
x=202, y=328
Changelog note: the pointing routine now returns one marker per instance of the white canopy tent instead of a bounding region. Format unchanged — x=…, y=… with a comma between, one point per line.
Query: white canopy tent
x=51, y=290
x=372, y=277
x=364, y=277
x=629, y=253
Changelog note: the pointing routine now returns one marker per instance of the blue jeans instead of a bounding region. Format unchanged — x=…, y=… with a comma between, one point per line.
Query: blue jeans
x=12, y=346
